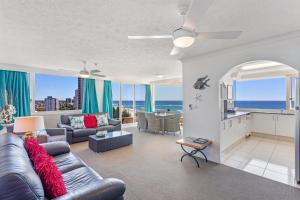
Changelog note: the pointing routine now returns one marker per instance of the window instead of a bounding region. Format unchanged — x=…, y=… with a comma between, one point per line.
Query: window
x=116, y=99
x=168, y=98
x=261, y=94
x=127, y=103
x=140, y=97
x=54, y=93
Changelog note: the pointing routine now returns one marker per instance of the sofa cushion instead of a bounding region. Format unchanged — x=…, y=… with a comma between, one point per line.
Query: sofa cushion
x=81, y=178
x=77, y=122
x=84, y=132
x=68, y=162
x=65, y=119
x=57, y=138
x=107, y=128
x=50, y=176
x=102, y=119
x=90, y=121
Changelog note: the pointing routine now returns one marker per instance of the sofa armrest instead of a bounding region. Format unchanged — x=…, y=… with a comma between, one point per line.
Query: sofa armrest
x=56, y=131
x=65, y=126
x=56, y=148
x=109, y=189
x=114, y=122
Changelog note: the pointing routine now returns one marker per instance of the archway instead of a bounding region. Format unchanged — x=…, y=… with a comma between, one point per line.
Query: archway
x=258, y=119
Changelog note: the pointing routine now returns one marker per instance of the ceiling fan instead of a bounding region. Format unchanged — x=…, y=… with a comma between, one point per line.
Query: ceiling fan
x=186, y=35
x=84, y=73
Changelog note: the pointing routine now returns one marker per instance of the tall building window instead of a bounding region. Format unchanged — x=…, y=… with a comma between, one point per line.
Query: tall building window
x=261, y=94
x=168, y=98
x=116, y=99
x=54, y=93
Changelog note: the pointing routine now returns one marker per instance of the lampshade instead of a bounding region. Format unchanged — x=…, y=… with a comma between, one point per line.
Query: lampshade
x=183, y=38
x=28, y=124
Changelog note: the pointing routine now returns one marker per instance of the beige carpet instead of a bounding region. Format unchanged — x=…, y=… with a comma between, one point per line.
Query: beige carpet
x=152, y=171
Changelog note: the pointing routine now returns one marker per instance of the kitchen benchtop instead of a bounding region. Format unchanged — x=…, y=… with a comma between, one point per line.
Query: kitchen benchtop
x=241, y=113
x=235, y=114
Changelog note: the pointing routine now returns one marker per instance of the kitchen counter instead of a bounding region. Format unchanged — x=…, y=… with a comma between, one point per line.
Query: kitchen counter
x=235, y=114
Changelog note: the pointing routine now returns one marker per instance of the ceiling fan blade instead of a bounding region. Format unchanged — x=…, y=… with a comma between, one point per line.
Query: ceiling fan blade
x=174, y=51
x=143, y=37
x=93, y=71
x=197, y=9
x=219, y=35
x=99, y=75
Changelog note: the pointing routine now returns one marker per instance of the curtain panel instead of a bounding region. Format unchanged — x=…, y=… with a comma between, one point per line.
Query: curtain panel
x=148, y=98
x=107, y=99
x=14, y=89
x=90, y=101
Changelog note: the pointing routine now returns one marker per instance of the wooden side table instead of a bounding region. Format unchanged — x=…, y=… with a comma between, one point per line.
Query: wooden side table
x=189, y=142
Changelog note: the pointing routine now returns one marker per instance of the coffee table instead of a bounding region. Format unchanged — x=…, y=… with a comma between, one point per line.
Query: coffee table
x=112, y=140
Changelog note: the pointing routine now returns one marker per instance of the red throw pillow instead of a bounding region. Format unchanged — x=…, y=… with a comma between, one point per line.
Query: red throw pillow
x=34, y=148
x=90, y=121
x=45, y=167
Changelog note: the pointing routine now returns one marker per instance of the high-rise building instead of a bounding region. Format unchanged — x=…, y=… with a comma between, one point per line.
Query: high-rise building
x=80, y=92
x=51, y=104
x=68, y=101
x=75, y=100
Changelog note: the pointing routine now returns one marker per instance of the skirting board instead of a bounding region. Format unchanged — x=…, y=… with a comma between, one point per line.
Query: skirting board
x=276, y=137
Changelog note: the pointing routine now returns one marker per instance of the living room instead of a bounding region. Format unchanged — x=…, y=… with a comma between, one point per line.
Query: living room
x=107, y=100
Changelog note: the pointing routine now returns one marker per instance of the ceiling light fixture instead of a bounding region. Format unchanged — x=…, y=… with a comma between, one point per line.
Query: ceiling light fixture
x=258, y=65
x=159, y=75
x=84, y=73
x=183, y=38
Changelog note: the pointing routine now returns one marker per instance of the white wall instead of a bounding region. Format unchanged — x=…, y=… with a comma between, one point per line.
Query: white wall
x=204, y=121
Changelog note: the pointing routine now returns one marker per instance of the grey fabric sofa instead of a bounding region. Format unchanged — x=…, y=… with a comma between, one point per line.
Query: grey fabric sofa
x=80, y=135
x=19, y=181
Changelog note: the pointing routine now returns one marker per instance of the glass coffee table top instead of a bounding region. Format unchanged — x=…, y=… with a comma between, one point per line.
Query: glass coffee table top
x=112, y=134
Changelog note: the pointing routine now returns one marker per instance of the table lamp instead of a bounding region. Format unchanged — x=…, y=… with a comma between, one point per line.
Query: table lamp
x=28, y=125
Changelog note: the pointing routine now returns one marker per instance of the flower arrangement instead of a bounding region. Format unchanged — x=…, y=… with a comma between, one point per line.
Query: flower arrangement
x=6, y=114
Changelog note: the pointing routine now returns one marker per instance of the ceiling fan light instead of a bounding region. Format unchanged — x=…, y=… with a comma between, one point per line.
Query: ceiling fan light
x=183, y=38
x=84, y=74
x=184, y=42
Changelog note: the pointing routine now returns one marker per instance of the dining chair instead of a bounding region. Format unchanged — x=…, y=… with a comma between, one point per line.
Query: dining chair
x=154, y=123
x=142, y=121
x=172, y=124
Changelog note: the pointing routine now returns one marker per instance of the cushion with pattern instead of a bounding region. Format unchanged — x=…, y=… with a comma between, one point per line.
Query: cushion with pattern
x=102, y=119
x=77, y=122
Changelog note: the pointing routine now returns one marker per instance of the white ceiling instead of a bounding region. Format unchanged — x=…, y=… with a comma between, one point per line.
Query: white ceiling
x=58, y=34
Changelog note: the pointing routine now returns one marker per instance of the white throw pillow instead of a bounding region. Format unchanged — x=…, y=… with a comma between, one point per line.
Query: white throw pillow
x=102, y=119
x=77, y=122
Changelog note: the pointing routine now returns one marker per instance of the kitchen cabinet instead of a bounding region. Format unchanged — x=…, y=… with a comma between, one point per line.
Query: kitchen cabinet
x=274, y=124
x=285, y=125
x=263, y=123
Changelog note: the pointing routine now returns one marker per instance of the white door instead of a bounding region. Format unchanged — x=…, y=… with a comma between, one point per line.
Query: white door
x=285, y=125
x=263, y=123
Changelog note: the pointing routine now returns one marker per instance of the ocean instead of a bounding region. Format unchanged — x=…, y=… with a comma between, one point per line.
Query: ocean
x=159, y=105
x=177, y=105
x=261, y=104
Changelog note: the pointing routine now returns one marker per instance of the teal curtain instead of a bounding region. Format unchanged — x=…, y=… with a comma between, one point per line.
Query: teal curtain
x=18, y=93
x=148, y=99
x=90, y=101
x=107, y=99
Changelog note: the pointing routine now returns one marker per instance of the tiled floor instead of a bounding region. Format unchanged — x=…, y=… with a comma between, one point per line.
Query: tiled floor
x=270, y=158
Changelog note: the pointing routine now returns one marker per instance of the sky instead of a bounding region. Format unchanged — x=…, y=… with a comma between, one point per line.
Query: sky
x=267, y=89
x=162, y=93
x=60, y=87
x=63, y=87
